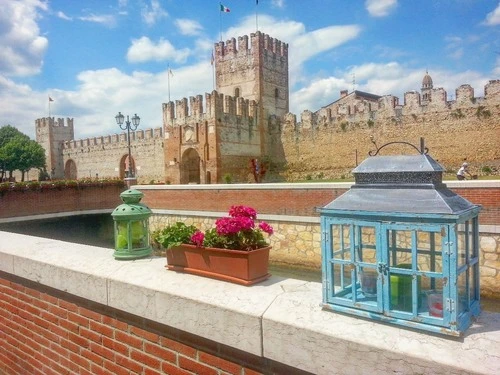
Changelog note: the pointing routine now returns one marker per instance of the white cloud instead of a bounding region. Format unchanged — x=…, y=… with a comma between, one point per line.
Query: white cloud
x=63, y=16
x=278, y=3
x=23, y=48
x=188, y=27
x=151, y=14
x=496, y=69
x=108, y=20
x=493, y=18
x=380, y=8
x=143, y=50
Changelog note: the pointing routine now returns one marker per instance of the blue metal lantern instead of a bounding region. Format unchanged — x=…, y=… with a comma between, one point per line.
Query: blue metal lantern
x=131, y=227
x=401, y=247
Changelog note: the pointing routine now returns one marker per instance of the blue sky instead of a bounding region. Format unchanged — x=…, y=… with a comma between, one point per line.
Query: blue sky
x=98, y=57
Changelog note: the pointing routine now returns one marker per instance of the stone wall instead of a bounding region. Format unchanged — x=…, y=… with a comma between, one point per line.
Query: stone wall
x=106, y=156
x=330, y=145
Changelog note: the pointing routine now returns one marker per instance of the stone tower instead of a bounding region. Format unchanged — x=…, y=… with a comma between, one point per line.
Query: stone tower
x=51, y=135
x=426, y=89
x=257, y=71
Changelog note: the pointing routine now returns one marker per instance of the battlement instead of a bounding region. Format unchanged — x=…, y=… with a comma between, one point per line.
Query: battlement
x=258, y=41
x=52, y=122
x=115, y=139
x=215, y=104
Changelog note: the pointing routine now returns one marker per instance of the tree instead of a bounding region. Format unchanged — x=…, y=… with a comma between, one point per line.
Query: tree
x=19, y=152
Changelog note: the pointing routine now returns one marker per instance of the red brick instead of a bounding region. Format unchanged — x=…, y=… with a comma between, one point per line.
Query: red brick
x=79, y=360
x=196, y=367
x=57, y=311
x=171, y=369
x=90, y=314
x=70, y=326
x=115, y=369
x=68, y=305
x=102, y=329
x=98, y=370
x=178, y=347
x=78, y=319
x=102, y=351
x=114, y=323
x=78, y=340
x=128, y=340
x=145, y=359
x=40, y=304
x=91, y=335
x=50, y=299
x=128, y=363
x=91, y=356
x=145, y=334
x=159, y=352
x=148, y=371
x=115, y=345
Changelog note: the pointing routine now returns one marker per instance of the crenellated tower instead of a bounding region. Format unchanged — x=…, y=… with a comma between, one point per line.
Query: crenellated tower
x=51, y=135
x=255, y=69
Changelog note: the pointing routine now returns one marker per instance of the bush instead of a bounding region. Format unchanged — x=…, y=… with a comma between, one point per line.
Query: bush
x=486, y=170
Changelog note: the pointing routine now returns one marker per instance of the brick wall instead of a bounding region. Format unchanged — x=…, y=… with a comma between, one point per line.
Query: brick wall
x=16, y=204
x=46, y=331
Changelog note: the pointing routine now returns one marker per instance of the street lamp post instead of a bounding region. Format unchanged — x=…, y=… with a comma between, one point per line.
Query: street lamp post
x=127, y=125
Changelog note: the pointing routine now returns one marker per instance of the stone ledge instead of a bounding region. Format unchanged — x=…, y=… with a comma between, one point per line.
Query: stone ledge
x=280, y=319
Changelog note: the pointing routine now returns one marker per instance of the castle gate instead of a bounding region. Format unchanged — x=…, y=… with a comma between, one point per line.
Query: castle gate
x=124, y=170
x=70, y=171
x=190, y=167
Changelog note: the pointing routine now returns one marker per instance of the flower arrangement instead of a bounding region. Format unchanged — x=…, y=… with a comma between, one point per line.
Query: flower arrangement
x=238, y=231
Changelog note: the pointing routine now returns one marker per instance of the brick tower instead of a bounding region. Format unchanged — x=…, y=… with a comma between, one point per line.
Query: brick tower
x=51, y=135
x=258, y=71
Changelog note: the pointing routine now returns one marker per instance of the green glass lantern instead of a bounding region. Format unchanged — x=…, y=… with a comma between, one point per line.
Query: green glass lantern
x=131, y=227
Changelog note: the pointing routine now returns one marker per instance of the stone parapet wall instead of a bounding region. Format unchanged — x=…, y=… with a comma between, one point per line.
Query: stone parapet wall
x=69, y=308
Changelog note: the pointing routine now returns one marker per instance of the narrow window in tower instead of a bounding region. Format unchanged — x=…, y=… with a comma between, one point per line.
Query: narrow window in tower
x=276, y=93
x=237, y=92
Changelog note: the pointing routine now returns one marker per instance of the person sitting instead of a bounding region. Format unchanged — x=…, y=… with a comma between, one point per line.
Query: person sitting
x=463, y=171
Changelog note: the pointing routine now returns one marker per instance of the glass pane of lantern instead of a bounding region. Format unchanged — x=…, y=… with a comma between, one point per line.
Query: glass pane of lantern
x=341, y=277
x=462, y=303
x=399, y=247
x=121, y=238
x=435, y=303
x=473, y=282
x=367, y=245
x=429, y=251
x=462, y=244
x=138, y=234
x=341, y=241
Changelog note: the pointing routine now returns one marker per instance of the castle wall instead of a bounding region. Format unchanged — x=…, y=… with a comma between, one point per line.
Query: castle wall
x=101, y=156
x=222, y=134
x=50, y=133
x=466, y=129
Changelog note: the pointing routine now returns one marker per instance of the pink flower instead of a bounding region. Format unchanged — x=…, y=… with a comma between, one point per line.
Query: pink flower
x=242, y=211
x=197, y=238
x=232, y=225
x=265, y=227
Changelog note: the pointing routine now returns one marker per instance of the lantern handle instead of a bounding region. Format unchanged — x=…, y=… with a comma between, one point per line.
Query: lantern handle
x=423, y=150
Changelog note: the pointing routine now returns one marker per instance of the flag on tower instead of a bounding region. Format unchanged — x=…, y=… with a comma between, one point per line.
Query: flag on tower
x=170, y=72
x=50, y=99
x=212, y=59
x=224, y=9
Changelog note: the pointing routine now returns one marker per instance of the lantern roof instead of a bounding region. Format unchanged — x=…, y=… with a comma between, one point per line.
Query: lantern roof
x=409, y=184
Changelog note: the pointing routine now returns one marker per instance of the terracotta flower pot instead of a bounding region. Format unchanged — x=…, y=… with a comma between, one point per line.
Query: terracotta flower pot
x=236, y=266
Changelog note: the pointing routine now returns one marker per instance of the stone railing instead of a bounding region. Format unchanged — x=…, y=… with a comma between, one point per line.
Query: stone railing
x=69, y=308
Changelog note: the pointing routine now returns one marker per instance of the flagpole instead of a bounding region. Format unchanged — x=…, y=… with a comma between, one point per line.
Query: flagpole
x=49, y=106
x=256, y=15
x=220, y=21
x=168, y=81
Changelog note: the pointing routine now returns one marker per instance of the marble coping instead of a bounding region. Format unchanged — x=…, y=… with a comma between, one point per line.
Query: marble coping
x=280, y=319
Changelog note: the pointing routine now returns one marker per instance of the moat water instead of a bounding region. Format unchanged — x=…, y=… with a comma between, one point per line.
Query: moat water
x=97, y=230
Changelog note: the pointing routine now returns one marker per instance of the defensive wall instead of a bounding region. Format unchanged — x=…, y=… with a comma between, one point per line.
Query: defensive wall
x=106, y=156
x=224, y=135
x=327, y=143
x=330, y=142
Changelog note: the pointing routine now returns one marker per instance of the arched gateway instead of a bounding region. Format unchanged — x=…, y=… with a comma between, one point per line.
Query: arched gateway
x=190, y=167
